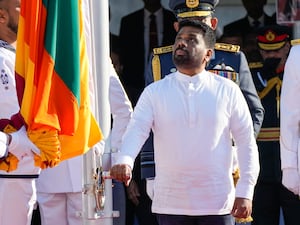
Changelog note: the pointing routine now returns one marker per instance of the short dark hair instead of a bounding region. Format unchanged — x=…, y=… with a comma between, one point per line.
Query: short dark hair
x=207, y=32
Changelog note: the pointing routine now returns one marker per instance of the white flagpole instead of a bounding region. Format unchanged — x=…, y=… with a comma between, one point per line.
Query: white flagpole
x=296, y=30
x=93, y=165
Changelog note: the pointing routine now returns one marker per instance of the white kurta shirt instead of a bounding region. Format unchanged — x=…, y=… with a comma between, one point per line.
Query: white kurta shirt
x=290, y=122
x=192, y=120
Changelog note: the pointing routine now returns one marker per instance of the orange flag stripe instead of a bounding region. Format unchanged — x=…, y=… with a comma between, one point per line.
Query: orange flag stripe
x=46, y=100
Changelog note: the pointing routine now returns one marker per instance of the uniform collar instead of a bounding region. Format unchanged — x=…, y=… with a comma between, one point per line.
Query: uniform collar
x=4, y=44
x=260, y=19
x=156, y=13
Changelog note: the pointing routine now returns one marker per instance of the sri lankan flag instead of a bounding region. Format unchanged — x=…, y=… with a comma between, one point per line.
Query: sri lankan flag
x=53, y=80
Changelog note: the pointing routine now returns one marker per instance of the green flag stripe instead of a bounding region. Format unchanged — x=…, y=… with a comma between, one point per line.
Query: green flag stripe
x=62, y=41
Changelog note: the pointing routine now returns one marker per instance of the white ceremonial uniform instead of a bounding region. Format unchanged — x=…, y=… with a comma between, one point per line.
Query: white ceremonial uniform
x=290, y=122
x=192, y=119
x=59, y=193
x=60, y=188
x=17, y=195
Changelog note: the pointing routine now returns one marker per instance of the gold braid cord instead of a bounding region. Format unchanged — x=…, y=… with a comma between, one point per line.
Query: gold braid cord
x=48, y=143
x=156, y=68
x=275, y=81
x=244, y=220
x=236, y=176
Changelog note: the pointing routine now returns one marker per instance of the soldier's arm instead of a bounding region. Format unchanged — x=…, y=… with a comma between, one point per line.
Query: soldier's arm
x=149, y=72
x=248, y=89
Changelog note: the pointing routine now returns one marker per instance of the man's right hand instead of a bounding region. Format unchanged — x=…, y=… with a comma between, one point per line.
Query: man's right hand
x=121, y=172
x=242, y=208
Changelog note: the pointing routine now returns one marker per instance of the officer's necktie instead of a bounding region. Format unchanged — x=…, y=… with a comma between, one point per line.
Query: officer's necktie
x=153, y=41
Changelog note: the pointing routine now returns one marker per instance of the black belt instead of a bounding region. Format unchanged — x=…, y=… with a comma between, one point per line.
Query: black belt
x=19, y=176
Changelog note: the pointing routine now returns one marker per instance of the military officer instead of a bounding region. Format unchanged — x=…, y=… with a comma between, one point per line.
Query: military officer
x=228, y=61
x=270, y=195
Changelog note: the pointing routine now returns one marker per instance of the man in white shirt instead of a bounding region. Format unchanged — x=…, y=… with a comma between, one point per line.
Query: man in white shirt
x=194, y=114
x=289, y=123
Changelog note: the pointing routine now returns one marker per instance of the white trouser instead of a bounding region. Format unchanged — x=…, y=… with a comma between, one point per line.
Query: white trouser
x=18, y=195
x=60, y=208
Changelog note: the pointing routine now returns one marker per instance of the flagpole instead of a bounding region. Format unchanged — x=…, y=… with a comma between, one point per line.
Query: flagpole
x=97, y=191
x=296, y=30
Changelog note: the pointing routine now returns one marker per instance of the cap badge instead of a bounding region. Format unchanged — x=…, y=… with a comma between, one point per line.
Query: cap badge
x=192, y=3
x=270, y=36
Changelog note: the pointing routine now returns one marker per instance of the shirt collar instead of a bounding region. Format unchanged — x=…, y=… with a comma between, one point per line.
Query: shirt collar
x=260, y=19
x=191, y=79
x=4, y=44
x=147, y=13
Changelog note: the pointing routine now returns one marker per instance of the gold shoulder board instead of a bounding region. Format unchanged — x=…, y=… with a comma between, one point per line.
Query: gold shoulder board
x=162, y=50
x=227, y=47
x=295, y=42
x=255, y=65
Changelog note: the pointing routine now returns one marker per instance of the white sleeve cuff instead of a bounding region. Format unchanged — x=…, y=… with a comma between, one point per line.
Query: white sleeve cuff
x=123, y=159
x=244, y=191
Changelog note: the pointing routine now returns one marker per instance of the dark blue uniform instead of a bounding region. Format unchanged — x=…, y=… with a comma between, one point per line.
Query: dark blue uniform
x=229, y=62
x=268, y=138
x=270, y=195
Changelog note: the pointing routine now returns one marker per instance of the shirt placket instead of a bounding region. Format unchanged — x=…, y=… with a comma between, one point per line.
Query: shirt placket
x=191, y=105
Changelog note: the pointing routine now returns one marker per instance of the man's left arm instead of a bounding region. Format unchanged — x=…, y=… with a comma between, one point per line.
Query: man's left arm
x=247, y=152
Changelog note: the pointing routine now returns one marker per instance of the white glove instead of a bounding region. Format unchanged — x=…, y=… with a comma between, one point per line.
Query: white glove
x=99, y=148
x=21, y=145
x=3, y=144
x=291, y=180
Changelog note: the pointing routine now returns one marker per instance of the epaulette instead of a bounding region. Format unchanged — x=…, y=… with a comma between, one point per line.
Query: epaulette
x=295, y=42
x=227, y=47
x=255, y=65
x=162, y=50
